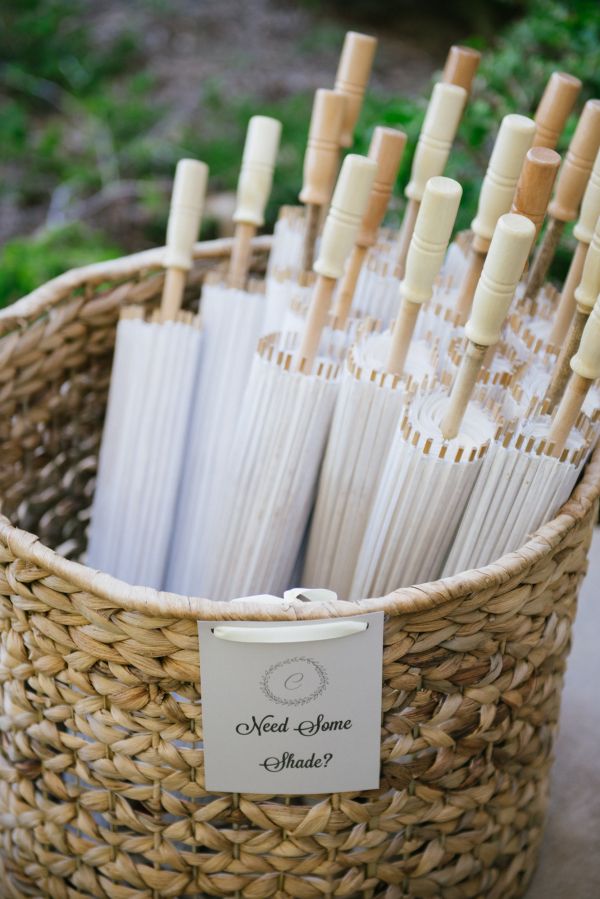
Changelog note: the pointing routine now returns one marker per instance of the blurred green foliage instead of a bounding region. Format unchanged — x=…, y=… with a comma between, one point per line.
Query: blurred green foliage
x=79, y=115
x=27, y=262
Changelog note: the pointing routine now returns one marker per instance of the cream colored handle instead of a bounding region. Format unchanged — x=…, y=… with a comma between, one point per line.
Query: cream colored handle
x=354, y=71
x=590, y=206
x=461, y=66
x=345, y=214
x=386, y=149
x=586, y=361
x=575, y=170
x=437, y=135
x=554, y=108
x=185, y=213
x=588, y=288
x=256, y=175
x=502, y=269
x=535, y=183
x=429, y=243
x=498, y=188
x=323, y=147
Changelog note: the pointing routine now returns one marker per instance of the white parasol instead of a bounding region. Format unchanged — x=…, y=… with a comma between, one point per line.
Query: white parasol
x=151, y=389
x=232, y=319
x=374, y=387
x=434, y=459
x=276, y=452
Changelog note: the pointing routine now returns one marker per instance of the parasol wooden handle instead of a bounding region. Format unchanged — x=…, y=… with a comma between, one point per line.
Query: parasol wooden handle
x=461, y=66
x=185, y=213
x=502, y=269
x=554, y=108
x=386, y=150
x=585, y=366
x=437, y=135
x=584, y=232
x=588, y=289
x=348, y=205
x=498, y=188
x=586, y=361
x=495, y=199
x=590, y=206
x=253, y=189
x=347, y=209
x=256, y=175
x=322, y=149
x=535, y=183
x=428, y=246
x=575, y=170
x=354, y=71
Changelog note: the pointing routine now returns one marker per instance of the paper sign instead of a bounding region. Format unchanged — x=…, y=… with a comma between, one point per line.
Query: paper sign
x=293, y=717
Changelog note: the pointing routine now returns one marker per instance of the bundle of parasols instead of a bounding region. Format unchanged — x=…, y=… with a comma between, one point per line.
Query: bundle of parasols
x=382, y=409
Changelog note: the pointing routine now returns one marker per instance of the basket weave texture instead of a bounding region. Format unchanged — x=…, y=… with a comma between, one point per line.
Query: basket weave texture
x=101, y=762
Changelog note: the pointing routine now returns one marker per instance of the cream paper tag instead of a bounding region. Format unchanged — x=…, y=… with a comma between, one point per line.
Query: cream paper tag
x=300, y=716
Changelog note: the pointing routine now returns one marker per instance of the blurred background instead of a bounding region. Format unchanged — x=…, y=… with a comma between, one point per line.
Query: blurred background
x=100, y=98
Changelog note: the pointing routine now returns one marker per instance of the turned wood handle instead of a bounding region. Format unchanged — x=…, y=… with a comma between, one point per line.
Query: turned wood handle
x=185, y=213
x=386, y=149
x=535, y=184
x=586, y=292
x=323, y=147
x=354, y=71
x=554, y=108
x=502, y=269
x=347, y=209
x=256, y=174
x=437, y=135
x=586, y=361
x=461, y=66
x=429, y=243
x=498, y=188
x=575, y=170
x=590, y=206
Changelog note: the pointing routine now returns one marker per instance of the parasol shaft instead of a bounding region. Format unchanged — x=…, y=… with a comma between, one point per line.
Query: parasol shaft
x=347, y=286
x=406, y=232
x=566, y=306
x=402, y=336
x=562, y=371
x=463, y=389
x=475, y=261
x=313, y=217
x=172, y=295
x=315, y=322
x=544, y=257
x=241, y=253
x=567, y=412
x=585, y=365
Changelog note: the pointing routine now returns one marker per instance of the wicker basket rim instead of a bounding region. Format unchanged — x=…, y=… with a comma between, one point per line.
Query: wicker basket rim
x=47, y=295
x=404, y=601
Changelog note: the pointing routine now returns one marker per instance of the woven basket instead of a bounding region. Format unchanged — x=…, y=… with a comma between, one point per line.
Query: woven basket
x=101, y=765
